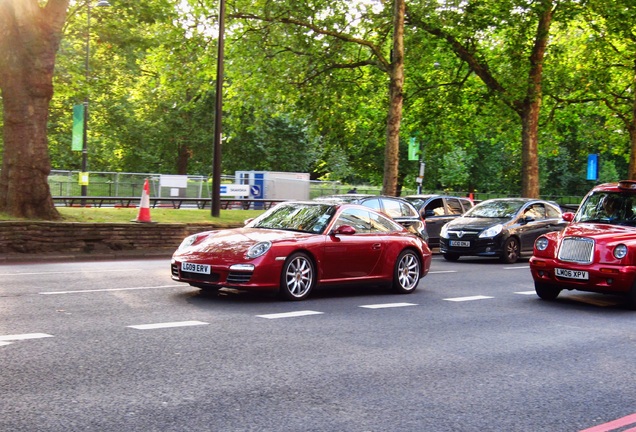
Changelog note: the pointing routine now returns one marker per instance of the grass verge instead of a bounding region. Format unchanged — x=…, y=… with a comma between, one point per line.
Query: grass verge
x=160, y=215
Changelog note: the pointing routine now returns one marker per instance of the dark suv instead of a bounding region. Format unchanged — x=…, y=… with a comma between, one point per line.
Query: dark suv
x=398, y=209
x=437, y=210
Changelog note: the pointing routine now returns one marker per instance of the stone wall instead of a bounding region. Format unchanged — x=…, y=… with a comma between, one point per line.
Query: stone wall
x=79, y=237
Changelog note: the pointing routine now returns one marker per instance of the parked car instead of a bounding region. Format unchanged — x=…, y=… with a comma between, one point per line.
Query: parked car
x=596, y=252
x=296, y=246
x=398, y=209
x=437, y=210
x=505, y=228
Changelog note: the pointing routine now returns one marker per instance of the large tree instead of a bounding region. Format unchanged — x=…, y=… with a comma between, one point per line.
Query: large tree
x=29, y=39
x=504, y=43
x=334, y=44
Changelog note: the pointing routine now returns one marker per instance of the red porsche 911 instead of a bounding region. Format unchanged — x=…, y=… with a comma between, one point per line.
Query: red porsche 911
x=296, y=246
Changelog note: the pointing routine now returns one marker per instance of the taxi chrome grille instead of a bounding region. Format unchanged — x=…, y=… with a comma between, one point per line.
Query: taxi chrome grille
x=577, y=249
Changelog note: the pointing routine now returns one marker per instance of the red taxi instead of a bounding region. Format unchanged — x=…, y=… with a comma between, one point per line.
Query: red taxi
x=596, y=252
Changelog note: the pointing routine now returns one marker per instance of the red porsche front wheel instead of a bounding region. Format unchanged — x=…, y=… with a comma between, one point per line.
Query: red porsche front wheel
x=298, y=277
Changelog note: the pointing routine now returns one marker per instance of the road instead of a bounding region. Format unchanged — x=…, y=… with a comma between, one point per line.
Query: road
x=119, y=346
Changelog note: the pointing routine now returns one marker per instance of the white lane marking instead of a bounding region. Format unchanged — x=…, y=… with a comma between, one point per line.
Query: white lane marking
x=471, y=298
x=168, y=325
x=11, y=338
x=526, y=292
x=442, y=271
x=516, y=268
x=290, y=314
x=110, y=289
x=69, y=272
x=388, y=305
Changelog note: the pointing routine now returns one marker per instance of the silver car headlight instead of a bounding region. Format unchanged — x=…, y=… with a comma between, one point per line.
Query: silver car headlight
x=491, y=232
x=258, y=249
x=444, y=232
x=620, y=251
x=541, y=243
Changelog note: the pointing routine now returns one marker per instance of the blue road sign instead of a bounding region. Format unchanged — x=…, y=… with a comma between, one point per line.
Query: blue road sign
x=592, y=167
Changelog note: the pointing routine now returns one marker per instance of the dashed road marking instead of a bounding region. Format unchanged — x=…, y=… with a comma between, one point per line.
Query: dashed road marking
x=108, y=290
x=526, y=292
x=167, y=325
x=470, y=298
x=387, y=305
x=290, y=314
x=8, y=339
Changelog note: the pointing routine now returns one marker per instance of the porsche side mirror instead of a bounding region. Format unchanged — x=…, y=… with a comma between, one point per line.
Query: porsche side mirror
x=344, y=230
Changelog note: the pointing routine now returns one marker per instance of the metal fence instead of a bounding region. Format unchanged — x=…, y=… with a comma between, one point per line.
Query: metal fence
x=121, y=184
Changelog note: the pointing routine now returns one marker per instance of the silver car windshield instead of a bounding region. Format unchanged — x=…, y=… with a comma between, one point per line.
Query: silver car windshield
x=495, y=209
x=608, y=207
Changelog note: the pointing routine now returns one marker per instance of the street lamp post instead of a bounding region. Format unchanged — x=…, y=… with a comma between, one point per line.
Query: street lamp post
x=83, y=182
x=218, y=117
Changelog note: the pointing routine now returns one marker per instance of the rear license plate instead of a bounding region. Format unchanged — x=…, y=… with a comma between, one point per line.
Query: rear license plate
x=572, y=274
x=195, y=268
x=460, y=243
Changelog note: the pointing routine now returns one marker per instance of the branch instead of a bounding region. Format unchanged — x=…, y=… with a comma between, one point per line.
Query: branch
x=382, y=62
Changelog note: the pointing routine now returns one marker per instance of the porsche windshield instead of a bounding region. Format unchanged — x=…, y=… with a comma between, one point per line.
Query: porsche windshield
x=496, y=209
x=305, y=217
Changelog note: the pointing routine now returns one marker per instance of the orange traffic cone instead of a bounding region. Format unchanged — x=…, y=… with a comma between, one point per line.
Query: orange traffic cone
x=144, y=205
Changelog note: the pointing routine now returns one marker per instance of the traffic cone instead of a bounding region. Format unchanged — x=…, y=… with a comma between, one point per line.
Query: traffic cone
x=144, y=205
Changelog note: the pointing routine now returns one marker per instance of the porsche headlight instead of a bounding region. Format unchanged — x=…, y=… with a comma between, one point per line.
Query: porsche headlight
x=620, y=251
x=258, y=249
x=541, y=243
x=187, y=242
x=491, y=232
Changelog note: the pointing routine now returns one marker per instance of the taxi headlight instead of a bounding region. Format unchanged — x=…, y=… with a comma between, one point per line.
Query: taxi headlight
x=620, y=251
x=259, y=249
x=492, y=231
x=541, y=243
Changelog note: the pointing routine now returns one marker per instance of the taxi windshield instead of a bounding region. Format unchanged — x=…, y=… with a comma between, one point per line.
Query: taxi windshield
x=608, y=207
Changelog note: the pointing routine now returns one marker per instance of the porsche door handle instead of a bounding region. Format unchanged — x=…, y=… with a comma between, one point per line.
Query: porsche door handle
x=376, y=246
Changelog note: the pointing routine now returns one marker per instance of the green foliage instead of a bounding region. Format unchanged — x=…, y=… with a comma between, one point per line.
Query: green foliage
x=299, y=100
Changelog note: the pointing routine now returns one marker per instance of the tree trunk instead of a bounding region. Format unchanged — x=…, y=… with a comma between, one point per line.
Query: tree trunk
x=531, y=106
x=529, y=150
x=29, y=39
x=396, y=86
x=632, y=135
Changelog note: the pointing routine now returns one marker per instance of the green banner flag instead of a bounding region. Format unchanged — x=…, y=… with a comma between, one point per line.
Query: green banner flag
x=414, y=149
x=78, y=128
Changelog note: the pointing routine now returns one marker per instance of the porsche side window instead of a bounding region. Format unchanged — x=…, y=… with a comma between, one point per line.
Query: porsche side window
x=381, y=224
x=358, y=219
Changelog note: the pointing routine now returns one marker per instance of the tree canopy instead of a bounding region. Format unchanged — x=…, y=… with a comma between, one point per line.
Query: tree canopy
x=501, y=96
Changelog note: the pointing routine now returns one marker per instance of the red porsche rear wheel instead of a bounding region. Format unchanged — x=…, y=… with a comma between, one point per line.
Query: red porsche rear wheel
x=407, y=272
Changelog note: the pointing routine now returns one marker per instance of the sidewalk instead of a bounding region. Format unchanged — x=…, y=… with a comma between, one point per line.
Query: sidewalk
x=19, y=258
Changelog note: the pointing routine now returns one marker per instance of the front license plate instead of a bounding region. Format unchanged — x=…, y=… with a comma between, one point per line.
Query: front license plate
x=195, y=268
x=572, y=274
x=460, y=243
